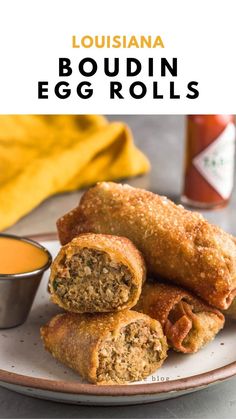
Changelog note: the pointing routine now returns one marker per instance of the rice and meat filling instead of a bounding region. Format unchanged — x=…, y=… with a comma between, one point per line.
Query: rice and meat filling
x=91, y=279
x=131, y=355
x=97, y=273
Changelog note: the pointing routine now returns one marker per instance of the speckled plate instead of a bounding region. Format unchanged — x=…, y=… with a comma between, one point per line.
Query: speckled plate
x=27, y=368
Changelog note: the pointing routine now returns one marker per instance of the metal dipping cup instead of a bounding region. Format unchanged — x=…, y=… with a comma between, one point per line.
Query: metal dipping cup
x=17, y=291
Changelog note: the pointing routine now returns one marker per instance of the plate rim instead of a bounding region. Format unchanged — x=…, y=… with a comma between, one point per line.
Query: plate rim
x=73, y=387
x=60, y=386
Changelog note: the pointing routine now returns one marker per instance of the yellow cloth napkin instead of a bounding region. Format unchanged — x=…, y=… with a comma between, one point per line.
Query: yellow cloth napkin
x=45, y=155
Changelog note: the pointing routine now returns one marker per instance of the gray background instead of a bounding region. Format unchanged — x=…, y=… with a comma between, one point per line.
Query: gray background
x=162, y=139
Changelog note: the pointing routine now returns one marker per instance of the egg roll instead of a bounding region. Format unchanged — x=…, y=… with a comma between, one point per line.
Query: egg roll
x=188, y=323
x=177, y=244
x=97, y=273
x=109, y=348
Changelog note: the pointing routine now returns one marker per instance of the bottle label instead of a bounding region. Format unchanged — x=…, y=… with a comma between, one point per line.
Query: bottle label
x=216, y=162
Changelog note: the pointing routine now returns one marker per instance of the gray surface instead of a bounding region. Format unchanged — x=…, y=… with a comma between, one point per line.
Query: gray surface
x=162, y=139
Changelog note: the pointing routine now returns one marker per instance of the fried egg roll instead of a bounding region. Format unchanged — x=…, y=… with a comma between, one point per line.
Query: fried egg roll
x=177, y=244
x=97, y=273
x=112, y=348
x=187, y=322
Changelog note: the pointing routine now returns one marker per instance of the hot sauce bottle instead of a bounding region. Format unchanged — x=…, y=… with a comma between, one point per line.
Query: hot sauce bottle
x=209, y=160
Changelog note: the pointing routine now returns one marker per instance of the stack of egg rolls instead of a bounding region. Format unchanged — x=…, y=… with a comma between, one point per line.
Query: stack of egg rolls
x=177, y=244
x=117, y=324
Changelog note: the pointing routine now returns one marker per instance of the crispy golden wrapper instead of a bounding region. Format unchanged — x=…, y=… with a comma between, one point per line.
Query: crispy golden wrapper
x=112, y=348
x=177, y=244
x=97, y=273
x=187, y=322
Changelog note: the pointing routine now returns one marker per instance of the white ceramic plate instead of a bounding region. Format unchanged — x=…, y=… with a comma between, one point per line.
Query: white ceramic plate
x=28, y=369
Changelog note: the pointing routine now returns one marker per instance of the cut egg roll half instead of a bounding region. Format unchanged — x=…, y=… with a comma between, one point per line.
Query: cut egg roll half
x=111, y=348
x=97, y=273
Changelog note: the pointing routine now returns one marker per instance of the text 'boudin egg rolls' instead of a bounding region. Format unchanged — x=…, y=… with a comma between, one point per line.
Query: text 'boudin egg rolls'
x=177, y=244
x=97, y=273
x=188, y=323
x=111, y=348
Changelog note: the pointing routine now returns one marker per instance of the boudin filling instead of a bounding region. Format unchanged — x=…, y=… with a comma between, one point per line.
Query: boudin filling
x=130, y=356
x=91, y=279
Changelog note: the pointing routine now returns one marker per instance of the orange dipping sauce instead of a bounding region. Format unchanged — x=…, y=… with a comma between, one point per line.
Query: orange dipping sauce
x=18, y=256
